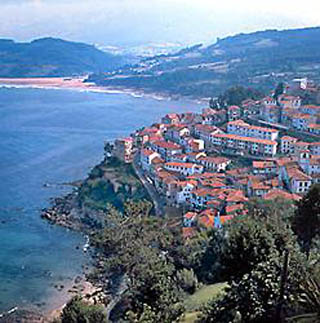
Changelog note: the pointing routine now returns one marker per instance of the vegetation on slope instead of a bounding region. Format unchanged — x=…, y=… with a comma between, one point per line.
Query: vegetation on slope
x=53, y=57
x=258, y=60
x=271, y=274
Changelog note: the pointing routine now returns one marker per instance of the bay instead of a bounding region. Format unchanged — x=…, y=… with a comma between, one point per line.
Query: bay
x=51, y=136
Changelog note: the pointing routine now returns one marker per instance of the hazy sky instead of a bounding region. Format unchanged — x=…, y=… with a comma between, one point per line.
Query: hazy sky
x=132, y=22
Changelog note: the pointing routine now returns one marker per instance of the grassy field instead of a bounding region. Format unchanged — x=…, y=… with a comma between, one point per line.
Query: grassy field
x=199, y=298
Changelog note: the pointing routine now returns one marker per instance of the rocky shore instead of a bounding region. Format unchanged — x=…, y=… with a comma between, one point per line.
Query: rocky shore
x=64, y=212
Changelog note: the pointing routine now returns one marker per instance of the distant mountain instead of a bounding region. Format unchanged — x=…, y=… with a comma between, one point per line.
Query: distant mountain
x=259, y=60
x=53, y=57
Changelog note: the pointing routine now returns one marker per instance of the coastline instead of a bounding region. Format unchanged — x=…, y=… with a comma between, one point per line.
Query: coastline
x=62, y=296
x=79, y=84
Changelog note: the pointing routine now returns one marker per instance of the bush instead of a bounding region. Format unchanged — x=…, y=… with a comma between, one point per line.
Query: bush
x=77, y=311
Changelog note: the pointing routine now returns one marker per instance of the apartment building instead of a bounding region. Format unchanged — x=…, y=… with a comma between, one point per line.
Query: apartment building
x=241, y=128
x=254, y=146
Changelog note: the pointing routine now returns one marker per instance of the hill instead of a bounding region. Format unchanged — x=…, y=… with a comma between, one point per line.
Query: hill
x=53, y=57
x=259, y=60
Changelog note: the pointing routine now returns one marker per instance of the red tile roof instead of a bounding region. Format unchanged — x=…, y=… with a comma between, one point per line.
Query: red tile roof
x=241, y=123
x=234, y=208
x=167, y=145
x=278, y=193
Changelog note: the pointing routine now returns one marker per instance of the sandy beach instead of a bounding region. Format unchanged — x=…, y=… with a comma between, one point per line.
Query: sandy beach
x=73, y=83
x=80, y=84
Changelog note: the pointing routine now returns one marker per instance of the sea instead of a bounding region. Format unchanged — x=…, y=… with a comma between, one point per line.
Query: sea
x=48, y=138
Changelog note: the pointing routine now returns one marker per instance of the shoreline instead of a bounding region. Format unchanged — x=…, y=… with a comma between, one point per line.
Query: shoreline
x=79, y=84
x=60, y=298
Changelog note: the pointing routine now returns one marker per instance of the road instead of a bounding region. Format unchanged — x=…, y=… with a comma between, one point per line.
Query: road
x=158, y=201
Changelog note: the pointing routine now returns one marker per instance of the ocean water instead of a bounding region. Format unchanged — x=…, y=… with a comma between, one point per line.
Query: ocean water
x=53, y=136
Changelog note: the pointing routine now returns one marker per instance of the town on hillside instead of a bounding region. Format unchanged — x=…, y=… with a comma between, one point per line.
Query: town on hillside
x=210, y=164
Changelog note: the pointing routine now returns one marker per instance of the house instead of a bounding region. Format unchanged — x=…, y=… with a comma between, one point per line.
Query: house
x=171, y=118
x=146, y=157
x=300, y=146
x=271, y=113
x=233, y=112
x=156, y=165
x=193, y=145
x=209, y=219
x=250, y=108
x=286, y=116
x=200, y=197
x=190, y=118
x=269, y=101
x=239, y=144
x=314, y=148
x=287, y=145
x=180, y=158
x=298, y=84
x=301, y=121
x=309, y=164
x=190, y=219
x=123, y=149
x=295, y=179
x=184, y=189
x=177, y=132
x=241, y=128
x=205, y=132
x=161, y=177
x=146, y=134
x=314, y=128
x=257, y=187
x=216, y=164
x=289, y=101
x=193, y=157
x=185, y=169
x=310, y=109
x=234, y=210
x=279, y=193
x=236, y=197
x=264, y=167
x=212, y=116
x=166, y=148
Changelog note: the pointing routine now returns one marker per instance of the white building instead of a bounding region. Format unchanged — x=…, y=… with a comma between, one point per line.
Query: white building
x=185, y=169
x=314, y=148
x=184, y=190
x=216, y=164
x=287, y=145
x=146, y=158
x=301, y=121
x=254, y=146
x=241, y=128
x=166, y=148
x=295, y=179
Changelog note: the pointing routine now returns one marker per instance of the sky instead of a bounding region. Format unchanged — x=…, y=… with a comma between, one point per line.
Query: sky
x=137, y=22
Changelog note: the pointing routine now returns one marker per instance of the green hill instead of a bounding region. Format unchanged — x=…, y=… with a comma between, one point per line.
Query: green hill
x=259, y=60
x=53, y=57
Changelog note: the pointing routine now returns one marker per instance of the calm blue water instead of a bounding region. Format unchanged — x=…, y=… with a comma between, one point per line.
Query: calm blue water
x=53, y=136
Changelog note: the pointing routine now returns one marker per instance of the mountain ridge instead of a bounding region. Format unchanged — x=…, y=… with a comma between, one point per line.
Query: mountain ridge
x=53, y=57
x=259, y=59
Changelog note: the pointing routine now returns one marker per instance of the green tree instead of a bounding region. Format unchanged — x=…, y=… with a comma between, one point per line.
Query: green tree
x=77, y=311
x=279, y=90
x=255, y=297
x=306, y=222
